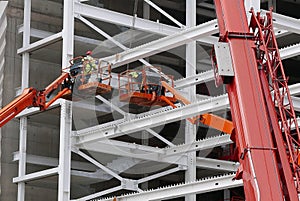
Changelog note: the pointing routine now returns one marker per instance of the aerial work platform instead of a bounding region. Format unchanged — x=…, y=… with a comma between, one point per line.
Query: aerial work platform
x=144, y=87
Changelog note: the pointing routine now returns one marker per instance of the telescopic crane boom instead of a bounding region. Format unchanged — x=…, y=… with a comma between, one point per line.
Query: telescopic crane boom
x=268, y=150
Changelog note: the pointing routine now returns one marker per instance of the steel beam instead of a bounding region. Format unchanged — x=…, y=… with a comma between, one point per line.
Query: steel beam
x=128, y=114
x=95, y=195
x=153, y=5
x=194, y=80
x=152, y=153
x=97, y=133
x=44, y=34
x=198, y=187
x=36, y=175
x=96, y=163
x=296, y=103
x=284, y=22
x=162, y=44
x=36, y=110
x=133, y=151
x=160, y=174
x=139, y=23
x=214, y=164
x=290, y=51
x=53, y=162
x=41, y=43
x=207, y=143
x=123, y=19
x=143, y=61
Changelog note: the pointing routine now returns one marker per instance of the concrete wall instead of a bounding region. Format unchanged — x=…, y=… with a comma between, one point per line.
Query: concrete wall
x=42, y=139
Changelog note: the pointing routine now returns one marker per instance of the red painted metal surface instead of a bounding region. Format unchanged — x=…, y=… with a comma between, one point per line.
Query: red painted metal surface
x=271, y=67
x=262, y=153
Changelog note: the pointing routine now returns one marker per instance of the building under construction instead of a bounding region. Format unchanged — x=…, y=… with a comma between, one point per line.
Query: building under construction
x=145, y=100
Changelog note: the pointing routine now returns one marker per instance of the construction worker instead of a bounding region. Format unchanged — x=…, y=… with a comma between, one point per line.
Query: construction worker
x=138, y=78
x=89, y=65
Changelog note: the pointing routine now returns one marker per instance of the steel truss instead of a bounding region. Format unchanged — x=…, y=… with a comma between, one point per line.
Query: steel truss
x=92, y=138
x=270, y=61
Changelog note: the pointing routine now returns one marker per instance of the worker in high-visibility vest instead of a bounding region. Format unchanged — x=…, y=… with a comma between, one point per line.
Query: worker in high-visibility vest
x=89, y=66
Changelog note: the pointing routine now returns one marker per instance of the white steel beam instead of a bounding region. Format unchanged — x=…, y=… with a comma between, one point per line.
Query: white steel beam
x=96, y=163
x=44, y=34
x=296, y=103
x=123, y=19
x=143, y=61
x=153, y=153
x=166, y=155
x=139, y=23
x=163, y=44
x=194, y=80
x=284, y=22
x=198, y=187
x=207, y=143
x=160, y=174
x=36, y=175
x=285, y=53
x=53, y=162
x=97, y=133
x=36, y=110
x=164, y=13
x=215, y=164
x=133, y=151
x=127, y=114
x=95, y=195
x=158, y=136
x=290, y=51
x=294, y=89
x=41, y=43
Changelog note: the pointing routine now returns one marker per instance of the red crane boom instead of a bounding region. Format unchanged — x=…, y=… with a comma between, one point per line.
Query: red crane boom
x=268, y=149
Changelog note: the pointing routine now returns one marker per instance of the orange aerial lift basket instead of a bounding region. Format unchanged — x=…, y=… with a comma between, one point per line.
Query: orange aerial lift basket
x=96, y=81
x=144, y=87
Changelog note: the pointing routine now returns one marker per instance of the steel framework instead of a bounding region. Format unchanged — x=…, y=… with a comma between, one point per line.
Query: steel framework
x=98, y=138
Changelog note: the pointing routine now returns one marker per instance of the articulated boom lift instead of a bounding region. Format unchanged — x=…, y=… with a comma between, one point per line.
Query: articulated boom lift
x=33, y=97
x=76, y=82
x=247, y=60
x=147, y=87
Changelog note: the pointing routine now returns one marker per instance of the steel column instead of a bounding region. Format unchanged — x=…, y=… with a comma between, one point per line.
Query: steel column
x=24, y=84
x=22, y=157
x=64, y=166
x=64, y=173
x=191, y=63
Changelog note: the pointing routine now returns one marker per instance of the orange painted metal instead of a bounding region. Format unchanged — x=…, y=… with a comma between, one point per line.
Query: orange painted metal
x=33, y=98
x=18, y=105
x=65, y=83
x=143, y=91
x=211, y=120
x=95, y=88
